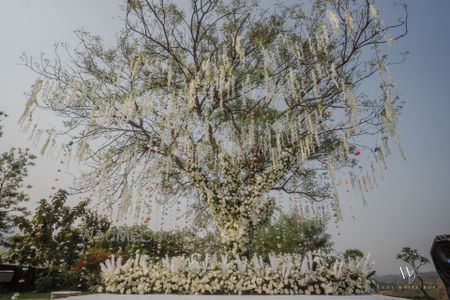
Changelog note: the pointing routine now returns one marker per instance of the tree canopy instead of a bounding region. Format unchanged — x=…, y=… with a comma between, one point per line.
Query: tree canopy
x=227, y=102
x=14, y=165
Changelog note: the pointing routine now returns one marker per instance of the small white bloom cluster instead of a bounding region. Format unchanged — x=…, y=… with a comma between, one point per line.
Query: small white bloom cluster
x=287, y=274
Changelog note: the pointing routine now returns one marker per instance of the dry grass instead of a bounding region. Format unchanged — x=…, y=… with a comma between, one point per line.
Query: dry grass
x=437, y=293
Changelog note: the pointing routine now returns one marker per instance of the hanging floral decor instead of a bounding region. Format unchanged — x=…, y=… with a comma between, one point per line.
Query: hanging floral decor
x=226, y=116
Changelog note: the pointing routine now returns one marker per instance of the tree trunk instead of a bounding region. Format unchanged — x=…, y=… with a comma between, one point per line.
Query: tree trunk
x=237, y=224
x=423, y=289
x=236, y=237
x=237, y=208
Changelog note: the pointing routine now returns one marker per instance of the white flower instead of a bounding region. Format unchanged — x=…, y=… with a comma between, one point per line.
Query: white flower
x=183, y=275
x=334, y=21
x=373, y=13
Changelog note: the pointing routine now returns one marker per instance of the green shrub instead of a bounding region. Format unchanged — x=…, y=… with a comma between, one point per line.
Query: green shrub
x=55, y=280
x=52, y=238
x=292, y=233
x=353, y=254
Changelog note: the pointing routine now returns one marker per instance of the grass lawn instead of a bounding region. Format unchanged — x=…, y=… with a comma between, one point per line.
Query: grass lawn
x=27, y=295
x=30, y=295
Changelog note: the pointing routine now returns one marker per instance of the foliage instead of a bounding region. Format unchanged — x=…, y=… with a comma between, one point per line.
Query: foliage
x=207, y=243
x=154, y=244
x=60, y=279
x=289, y=233
x=52, y=239
x=416, y=261
x=2, y=116
x=226, y=102
x=284, y=274
x=293, y=233
x=353, y=254
x=86, y=270
x=53, y=280
x=13, y=170
x=412, y=257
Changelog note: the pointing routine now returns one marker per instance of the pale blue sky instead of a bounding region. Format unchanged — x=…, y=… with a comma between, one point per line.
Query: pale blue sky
x=409, y=207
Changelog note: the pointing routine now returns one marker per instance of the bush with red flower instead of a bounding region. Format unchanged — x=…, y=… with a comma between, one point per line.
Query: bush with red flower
x=53, y=239
x=87, y=267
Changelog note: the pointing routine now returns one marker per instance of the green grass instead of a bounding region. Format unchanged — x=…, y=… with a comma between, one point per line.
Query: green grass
x=27, y=295
x=31, y=295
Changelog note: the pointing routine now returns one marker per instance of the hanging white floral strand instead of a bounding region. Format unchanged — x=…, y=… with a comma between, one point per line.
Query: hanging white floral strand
x=31, y=100
x=334, y=21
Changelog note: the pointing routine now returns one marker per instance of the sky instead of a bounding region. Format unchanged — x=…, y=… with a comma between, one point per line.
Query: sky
x=410, y=205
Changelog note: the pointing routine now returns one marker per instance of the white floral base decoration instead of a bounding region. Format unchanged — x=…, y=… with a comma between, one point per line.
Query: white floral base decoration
x=232, y=297
x=287, y=274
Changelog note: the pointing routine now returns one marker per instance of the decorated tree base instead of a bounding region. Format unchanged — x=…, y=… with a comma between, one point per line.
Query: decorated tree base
x=287, y=274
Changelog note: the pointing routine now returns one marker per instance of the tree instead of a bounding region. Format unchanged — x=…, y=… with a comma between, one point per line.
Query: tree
x=13, y=170
x=416, y=261
x=228, y=102
x=293, y=233
x=53, y=237
x=353, y=254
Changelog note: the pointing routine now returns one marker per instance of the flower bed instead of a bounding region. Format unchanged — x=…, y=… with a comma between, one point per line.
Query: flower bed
x=283, y=274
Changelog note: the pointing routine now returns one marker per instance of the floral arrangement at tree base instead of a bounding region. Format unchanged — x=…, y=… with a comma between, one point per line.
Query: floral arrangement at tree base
x=285, y=274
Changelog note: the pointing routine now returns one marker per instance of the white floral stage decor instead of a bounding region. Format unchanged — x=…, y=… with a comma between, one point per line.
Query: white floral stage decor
x=232, y=297
x=286, y=274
